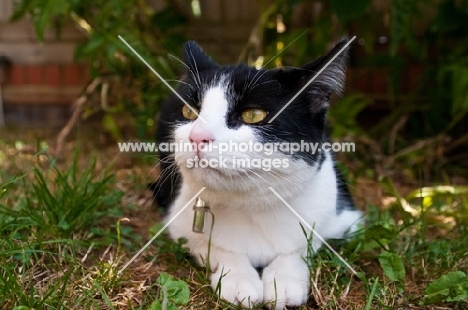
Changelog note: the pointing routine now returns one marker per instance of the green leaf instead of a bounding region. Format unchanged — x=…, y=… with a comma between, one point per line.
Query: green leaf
x=94, y=43
x=156, y=305
x=450, y=287
x=43, y=13
x=348, y=10
x=156, y=228
x=62, y=224
x=460, y=84
x=177, y=290
x=381, y=231
x=392, y=266
x=343, y=114
x=111, y=126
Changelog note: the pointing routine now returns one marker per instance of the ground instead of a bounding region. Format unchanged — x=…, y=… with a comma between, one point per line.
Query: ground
x=67, y=226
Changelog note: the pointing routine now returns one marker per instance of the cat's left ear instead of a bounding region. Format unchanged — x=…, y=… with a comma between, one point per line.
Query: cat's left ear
x=332, y=78
x=196, y=59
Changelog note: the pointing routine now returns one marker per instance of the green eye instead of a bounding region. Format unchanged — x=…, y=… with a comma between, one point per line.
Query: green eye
x=189, y=113
x=254, y=115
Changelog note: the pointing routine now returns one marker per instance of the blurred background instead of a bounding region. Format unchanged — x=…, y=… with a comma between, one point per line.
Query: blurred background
x=406, y=94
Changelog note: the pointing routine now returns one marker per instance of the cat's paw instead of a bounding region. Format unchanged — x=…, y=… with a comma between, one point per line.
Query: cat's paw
x=238, y=288
x=281, y=290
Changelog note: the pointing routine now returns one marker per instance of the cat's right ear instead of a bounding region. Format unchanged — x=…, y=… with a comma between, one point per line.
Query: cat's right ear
x=333, y=67
x=196, y=59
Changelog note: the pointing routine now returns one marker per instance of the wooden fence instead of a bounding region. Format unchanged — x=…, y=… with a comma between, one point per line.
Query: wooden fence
x=44, y=80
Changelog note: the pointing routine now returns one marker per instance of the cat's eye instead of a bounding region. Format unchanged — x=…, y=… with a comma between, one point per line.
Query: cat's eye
x=189, y=113
x=254, y=115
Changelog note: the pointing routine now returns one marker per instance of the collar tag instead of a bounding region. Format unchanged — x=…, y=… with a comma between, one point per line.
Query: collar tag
x=199, y=216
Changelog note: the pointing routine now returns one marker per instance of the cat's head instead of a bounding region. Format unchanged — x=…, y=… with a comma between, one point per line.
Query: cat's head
x=240, y=105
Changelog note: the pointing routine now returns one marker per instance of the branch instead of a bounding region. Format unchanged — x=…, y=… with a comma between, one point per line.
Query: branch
x=256, y=36
x=79, y=104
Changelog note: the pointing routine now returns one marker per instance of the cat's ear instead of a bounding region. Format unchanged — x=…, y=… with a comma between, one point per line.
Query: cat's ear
x=332, y=78
x=196, y=59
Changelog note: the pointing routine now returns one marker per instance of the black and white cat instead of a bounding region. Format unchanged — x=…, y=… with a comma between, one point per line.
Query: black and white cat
x=254, y=230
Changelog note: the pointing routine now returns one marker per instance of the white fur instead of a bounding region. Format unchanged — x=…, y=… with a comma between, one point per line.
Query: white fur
x=252, y=226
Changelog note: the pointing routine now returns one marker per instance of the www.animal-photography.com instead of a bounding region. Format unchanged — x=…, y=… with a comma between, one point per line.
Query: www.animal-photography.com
x=214, y=154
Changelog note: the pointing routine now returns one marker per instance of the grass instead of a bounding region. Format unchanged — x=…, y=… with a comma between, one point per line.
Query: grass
x=67, y=227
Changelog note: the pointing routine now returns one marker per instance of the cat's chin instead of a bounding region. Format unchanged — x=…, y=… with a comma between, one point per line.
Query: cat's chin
x=214, y=178
x=227, y=178
x=206, y=173
x=217, y=179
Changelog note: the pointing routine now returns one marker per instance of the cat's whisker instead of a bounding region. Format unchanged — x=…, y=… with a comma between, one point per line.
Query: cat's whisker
x=246, y=81
x=254, y=181
x=284, y=48
x=152, y=169
x=263, y=83
x=169, y=172
x=279, y=52
x=179, y=60
x=172, y=165
x=195, y=65
x=182, y=82
x=257, y=182
x=189, y=70
x=254, y=81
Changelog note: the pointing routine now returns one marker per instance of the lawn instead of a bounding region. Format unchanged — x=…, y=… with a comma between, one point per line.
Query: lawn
x=69, y=224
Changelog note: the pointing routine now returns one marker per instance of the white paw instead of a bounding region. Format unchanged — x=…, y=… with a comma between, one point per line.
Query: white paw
x=282, y=290
x=245, y=289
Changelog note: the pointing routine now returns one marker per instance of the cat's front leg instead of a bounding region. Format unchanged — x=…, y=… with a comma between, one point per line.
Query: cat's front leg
x=286, y=281
x=234, y=278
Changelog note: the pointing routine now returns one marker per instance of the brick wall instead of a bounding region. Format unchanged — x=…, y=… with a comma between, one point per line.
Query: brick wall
x=44, y=74
x=43, y=79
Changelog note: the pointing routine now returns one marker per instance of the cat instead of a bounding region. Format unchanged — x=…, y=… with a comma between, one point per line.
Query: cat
x=258, y=244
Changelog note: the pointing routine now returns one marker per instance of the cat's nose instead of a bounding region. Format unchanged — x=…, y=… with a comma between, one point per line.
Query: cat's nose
x=200, y=135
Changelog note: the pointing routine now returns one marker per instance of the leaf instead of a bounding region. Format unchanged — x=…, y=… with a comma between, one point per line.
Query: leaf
x=156, y=305
x=43, y=13
x=343, y=114
x=460, y=84
x=381, y=231
x=450, y=287
x=348, y=10
x=111, y=126
x=392, y=266
x=62, y=224
x=177, y=290
x=95, y=42
x=440, y=190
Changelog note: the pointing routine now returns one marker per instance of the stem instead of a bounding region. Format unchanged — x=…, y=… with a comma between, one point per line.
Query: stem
x=207, y=264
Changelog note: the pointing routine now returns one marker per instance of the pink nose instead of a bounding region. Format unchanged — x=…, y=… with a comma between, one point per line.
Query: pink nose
x=199, y=136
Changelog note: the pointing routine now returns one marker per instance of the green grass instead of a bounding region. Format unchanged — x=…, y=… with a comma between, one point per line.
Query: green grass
x=64, y=235
x=59, y=247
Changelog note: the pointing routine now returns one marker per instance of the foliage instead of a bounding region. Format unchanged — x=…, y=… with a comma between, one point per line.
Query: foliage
x=395, y=37
x=58, y=203
x=173, y=293
x=400, y=237
x=153, y=34
x=46, y=216
x=392, y=266
x=452, y=286
x=427, y=34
